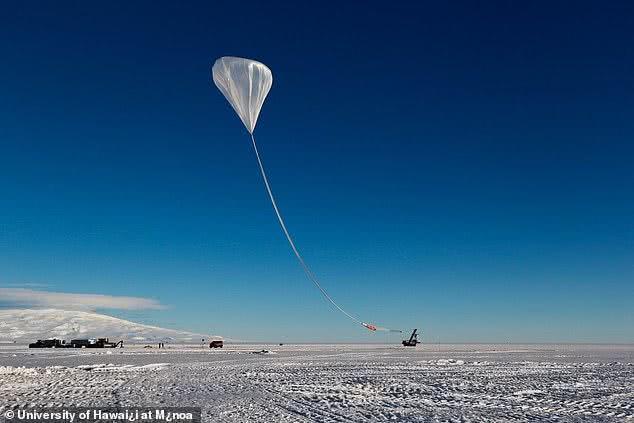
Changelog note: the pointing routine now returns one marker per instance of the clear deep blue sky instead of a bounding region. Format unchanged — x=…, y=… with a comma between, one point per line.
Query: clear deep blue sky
x=467, y=169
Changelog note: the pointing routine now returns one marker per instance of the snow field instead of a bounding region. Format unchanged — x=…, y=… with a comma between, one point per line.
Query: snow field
x=335, y=383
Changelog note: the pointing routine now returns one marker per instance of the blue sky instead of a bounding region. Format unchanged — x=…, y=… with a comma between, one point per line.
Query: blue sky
x=464, y=169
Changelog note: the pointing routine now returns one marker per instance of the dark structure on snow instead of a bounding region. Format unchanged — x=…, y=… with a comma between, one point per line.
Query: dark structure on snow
x=76, y=343
x=48, y=343
x=216, y=344
x=94, y=343
x=412, y=341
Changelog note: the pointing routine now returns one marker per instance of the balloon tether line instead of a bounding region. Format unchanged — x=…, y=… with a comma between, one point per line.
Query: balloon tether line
x=305, y=267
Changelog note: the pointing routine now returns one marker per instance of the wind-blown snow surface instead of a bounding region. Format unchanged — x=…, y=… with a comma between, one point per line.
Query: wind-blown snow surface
x=335, y=383
x=31, y=325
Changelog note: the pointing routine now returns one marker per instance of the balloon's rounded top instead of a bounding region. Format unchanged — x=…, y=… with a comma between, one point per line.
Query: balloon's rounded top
x=245, y=83
x=229, y=60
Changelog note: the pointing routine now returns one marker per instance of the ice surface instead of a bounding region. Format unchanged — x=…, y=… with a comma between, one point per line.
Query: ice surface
x=335, y=383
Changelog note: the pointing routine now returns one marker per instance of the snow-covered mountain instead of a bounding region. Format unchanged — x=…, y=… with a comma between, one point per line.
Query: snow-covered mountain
x=30, y=325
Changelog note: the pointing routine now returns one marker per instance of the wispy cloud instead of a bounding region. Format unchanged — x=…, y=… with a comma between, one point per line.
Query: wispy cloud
x=23, y=297
x=25, y=285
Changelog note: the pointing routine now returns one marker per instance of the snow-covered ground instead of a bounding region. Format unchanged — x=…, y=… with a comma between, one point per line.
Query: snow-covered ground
x=334, y=383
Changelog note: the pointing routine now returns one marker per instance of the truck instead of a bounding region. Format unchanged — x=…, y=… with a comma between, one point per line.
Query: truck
x=216, y=344
x=412, y=341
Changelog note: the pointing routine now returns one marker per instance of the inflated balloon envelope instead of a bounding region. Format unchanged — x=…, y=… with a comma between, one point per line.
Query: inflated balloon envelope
x=245, y=84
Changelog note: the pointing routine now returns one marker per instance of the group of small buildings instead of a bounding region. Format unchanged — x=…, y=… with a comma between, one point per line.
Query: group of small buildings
x=97, y=343
x=76, y=343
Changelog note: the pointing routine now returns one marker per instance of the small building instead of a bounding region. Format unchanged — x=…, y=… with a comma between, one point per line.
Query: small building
x=48, y=343
x=94, y=343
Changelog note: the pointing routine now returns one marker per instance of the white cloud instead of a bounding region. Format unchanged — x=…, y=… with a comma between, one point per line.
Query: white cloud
x=32, y=298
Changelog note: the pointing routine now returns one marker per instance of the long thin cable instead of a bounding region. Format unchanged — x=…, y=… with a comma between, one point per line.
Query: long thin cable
x=307, y=270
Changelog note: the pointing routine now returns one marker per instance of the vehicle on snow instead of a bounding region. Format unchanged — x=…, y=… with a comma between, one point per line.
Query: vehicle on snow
x=412, y=341
x=216, y=344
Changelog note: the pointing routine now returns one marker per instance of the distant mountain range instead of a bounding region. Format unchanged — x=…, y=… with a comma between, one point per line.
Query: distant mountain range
x=30, y=325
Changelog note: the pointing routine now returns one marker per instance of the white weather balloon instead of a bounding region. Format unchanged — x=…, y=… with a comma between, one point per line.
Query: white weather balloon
x=245, y=84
